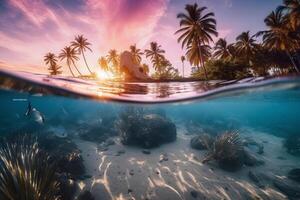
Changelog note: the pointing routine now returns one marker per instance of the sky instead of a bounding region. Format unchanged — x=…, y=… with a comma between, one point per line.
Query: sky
x=31, y=28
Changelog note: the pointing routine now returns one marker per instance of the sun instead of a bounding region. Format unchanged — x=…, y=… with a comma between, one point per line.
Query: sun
x=104, y=75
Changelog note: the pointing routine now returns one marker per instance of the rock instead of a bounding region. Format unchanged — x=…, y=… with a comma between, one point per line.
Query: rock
x=202, y=142
x=251, y=160
x=294, y=174
x=163, y=157
x=253, y=145
x=102, y=148
x=86, y=195
x=132, y=70
x=146, y=151
x=109, y=142
x=194, y=194
x=67, y=187
x=147, y=131
x=131, y=172
x=256, y=179
x=288, y=188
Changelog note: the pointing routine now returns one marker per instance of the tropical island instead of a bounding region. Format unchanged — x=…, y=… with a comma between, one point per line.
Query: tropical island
x=270, y=52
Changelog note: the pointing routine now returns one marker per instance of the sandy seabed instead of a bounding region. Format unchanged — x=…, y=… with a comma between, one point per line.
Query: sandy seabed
x=124, y=172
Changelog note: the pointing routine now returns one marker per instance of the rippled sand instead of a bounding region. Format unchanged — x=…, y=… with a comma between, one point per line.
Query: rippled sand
x=135, y=175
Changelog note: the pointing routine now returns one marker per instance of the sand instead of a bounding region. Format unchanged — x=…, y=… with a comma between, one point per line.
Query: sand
x=135, y=175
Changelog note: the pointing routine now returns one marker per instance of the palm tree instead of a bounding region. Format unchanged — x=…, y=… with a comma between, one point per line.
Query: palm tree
x=156, y=55
x=196, y=29
x=182, y=58
x=70, y=55
x=246, y=46
x=293, y=8
x=113, y=58
x=136, y=53
x=278, y=37
x=222, y=50
x=145, y=68
x=103, y=63
x=51, y=60
x=193, y=55
x=81, y=45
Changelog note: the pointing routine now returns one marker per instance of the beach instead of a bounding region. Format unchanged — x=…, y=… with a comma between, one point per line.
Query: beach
x=174, y=171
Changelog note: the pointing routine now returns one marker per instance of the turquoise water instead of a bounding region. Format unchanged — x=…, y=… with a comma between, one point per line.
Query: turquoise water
x=266, y=111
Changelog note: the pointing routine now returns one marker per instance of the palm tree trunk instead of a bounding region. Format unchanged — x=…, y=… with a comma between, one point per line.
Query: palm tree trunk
x=201, y=60
x=86, y=62
x=292, y=60
x=183, y=69
x=71, y=70
x=76, y=68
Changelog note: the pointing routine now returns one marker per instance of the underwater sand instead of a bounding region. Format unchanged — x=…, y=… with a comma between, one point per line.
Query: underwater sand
x=135, y=175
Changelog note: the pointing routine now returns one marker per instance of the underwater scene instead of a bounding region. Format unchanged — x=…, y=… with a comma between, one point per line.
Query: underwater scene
x=235, y=145
x=149, y=99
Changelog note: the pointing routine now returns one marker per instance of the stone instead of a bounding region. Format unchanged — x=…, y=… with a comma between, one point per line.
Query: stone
x=194, y=194
x=288, y=188
x=86, y=195
x=147, y=131
x=251, y=160
x=146, y=151
x=163, y=157
x=256, y=179
x=132, y=70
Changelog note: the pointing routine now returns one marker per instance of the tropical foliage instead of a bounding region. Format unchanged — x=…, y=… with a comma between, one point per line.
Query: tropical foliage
x=80, y=44
x=197, y=28
x=26, y=171
x=51, y=60
x=69, y=54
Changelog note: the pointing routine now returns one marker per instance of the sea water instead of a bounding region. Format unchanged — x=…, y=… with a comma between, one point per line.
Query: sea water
x=267, y=111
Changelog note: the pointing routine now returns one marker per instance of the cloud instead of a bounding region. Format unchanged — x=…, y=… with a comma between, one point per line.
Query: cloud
x=32, y=28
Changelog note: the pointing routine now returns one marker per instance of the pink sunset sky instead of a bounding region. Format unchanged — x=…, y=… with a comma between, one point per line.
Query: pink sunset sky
x=31, y=28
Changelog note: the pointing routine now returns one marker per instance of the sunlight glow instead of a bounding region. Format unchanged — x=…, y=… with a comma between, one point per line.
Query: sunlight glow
x=104, y=75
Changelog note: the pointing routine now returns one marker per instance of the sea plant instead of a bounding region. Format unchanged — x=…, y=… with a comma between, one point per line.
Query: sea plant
x=26, y=172
x=227, y=150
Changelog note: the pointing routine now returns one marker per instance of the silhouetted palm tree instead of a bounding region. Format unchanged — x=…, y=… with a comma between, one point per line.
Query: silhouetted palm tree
x=51, y=60
x=156, y=55
x=278, y=36
x=293, y=8
x=182, y=58
x=197, y=28
x=103, y=63
x=113, y=58
x=69, y=54
x=145, y=68
x=246, y=46
x=193, y=55
x=222, y=50
x=81, y=45
x=136, y=53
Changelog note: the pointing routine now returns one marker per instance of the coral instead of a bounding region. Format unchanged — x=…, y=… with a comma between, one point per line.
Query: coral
x=227, y=150
x=202, y=142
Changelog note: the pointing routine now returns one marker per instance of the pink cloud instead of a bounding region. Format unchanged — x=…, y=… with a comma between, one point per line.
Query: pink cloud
x=107, y=24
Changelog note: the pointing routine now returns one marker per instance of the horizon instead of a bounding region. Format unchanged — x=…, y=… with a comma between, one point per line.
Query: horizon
x=29, y=30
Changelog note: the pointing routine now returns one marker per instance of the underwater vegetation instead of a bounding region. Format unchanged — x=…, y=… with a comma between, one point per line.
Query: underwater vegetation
x=146, y=129
x=227, y=150
x=202, y=142
x=26, y=172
